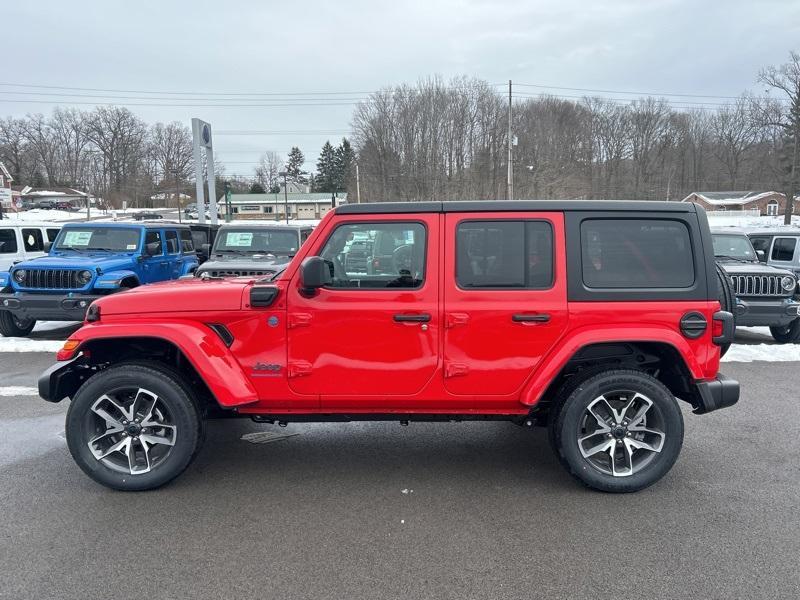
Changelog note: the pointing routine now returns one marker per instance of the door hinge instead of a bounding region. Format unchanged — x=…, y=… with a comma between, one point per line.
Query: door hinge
x=455, y=369
x=299, y=368
x=456, y=319
x=299, y=320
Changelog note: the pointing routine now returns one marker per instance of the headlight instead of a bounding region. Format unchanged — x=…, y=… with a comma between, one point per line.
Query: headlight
x=20, y=275
x=84, y=277
x=788, y=283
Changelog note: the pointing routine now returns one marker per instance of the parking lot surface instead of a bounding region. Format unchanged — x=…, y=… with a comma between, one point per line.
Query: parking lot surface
x=376, y=510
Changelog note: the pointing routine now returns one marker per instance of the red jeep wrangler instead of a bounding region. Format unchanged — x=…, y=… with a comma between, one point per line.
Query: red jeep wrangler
x=588, y=317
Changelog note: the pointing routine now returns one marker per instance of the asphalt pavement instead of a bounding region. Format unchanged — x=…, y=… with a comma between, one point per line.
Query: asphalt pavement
x=376, y=510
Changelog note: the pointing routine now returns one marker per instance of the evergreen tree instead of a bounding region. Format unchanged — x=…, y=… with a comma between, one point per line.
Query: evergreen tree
x=294, y=166
x=327, y=169
x=345, y=159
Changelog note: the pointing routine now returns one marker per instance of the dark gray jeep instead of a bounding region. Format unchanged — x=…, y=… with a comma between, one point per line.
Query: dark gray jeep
x=765, y=295
x=252, y=249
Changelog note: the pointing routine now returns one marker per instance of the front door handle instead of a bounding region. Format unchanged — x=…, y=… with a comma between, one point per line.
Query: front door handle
x=420, y=318
x=531, y=318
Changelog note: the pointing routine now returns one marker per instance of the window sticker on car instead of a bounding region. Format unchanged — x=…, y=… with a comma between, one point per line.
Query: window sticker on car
x=77, y=238
x=239, y=238
x=130, y=247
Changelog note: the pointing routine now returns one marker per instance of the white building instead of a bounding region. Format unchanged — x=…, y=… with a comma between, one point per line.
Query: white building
x=273, y=206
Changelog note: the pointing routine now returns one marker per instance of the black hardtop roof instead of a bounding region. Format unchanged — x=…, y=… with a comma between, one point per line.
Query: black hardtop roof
x=458, y=206
x=243, y=224
x=122, y=224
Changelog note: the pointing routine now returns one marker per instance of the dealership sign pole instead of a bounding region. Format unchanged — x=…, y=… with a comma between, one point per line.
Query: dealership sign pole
x=201, y=136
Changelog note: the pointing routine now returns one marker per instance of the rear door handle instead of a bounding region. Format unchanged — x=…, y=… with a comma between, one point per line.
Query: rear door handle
x=421, y=318
x=537, y=318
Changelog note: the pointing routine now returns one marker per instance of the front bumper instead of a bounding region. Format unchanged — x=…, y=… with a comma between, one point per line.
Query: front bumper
x=722, y=392
x=751, y=312
x=48, y=307
x=63, y=379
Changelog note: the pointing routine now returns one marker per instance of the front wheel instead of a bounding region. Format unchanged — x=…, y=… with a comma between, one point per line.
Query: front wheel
x=786, y=334
x=13, y=326
x=618, y=431
x=134, y=426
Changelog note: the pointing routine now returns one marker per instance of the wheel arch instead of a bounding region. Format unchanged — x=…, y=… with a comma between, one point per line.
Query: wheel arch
x=661, y=359
x=193, y=349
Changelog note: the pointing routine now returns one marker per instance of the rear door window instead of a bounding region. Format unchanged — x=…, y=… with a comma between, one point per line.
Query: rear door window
x=172, y=242
x=783, y=249
x=187, y=244
x=636, y=254
x=33, y=240
x=8, y=241
x=504, y=254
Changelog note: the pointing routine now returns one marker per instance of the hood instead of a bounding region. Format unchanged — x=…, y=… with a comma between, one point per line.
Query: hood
x=255, y=262
x=74, y=260
x=182, y=295
x=733, y=267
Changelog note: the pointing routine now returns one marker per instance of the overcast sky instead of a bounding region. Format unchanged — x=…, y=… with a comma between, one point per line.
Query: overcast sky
x=357, y=46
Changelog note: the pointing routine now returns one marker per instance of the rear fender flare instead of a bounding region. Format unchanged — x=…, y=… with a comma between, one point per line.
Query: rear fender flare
x=207, y=353
x=553, y=363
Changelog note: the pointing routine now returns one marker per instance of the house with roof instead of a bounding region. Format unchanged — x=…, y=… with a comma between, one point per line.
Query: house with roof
x=6, y=195
x=767, y=203
x=301, y=205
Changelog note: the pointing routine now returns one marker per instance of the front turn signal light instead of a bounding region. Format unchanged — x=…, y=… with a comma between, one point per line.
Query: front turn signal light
x=67, y=350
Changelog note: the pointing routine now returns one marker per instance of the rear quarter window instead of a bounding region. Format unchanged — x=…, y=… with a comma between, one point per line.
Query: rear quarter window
x=783, y=248
x=636, y=254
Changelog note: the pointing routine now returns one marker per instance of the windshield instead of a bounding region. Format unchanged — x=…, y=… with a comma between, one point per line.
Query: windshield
x=257, y=240
x=735, y=246
x=98, y=238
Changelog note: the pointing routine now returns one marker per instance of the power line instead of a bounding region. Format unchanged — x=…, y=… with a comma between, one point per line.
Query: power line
x=84, y=89
x=602, y=91
x=173, y=105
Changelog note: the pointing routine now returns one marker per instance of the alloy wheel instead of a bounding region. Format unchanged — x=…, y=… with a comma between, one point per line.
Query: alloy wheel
x=130, y=430
x=620, y=433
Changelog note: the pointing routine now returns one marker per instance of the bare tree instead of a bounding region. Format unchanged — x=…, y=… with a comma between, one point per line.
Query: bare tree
x=735, y=131
x=270, y=164
x=786, y=118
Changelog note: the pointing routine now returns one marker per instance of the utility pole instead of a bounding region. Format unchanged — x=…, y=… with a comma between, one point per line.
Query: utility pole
x=285, y=196
x=88, y=204
x=358, y=186
x=510, y=152
x=177, y=195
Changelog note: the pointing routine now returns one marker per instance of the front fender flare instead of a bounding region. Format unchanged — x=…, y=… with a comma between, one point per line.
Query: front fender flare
x=212, y=360
x=552, y=364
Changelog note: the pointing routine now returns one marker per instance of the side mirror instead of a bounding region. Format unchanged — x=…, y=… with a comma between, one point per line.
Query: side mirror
x=47, y=246
x=315, y=272
x=205, y=250
x=762, y=256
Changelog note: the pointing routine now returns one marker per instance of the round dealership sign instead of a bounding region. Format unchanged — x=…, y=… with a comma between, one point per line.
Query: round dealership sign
x=206, y=134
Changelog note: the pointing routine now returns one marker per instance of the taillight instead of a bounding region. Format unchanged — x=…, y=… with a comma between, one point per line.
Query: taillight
x=67, y=350
x=716, y=328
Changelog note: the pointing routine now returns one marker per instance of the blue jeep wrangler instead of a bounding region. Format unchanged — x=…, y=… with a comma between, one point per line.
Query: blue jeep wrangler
x=87, y=261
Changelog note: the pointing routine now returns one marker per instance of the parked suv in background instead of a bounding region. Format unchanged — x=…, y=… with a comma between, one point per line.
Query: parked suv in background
x=87, y=261
x=765, y=295
x=591, y=318
x=778, y=248
x=253, y=249
x=24, y=240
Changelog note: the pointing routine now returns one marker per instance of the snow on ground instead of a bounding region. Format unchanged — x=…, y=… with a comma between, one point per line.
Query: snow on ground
x=16, y=344
x=751, y=222
x=763, y=352
x=40, y=215
x=18, y=390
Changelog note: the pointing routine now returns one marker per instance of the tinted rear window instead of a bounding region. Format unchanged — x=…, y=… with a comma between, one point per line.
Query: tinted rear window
x=636, y=254
x=504, y=254
x=783, y=248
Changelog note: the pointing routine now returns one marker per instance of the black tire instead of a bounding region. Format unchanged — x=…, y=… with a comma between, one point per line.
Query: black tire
x=177, y=406
x=570, y=416
x=787, y=334
x=10, y=326
x=727, y=299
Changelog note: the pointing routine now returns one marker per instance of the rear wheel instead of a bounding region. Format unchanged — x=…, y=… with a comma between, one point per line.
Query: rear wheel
x=13, y=326
x=786, y=334
x=618, y=431
x=134, y=426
